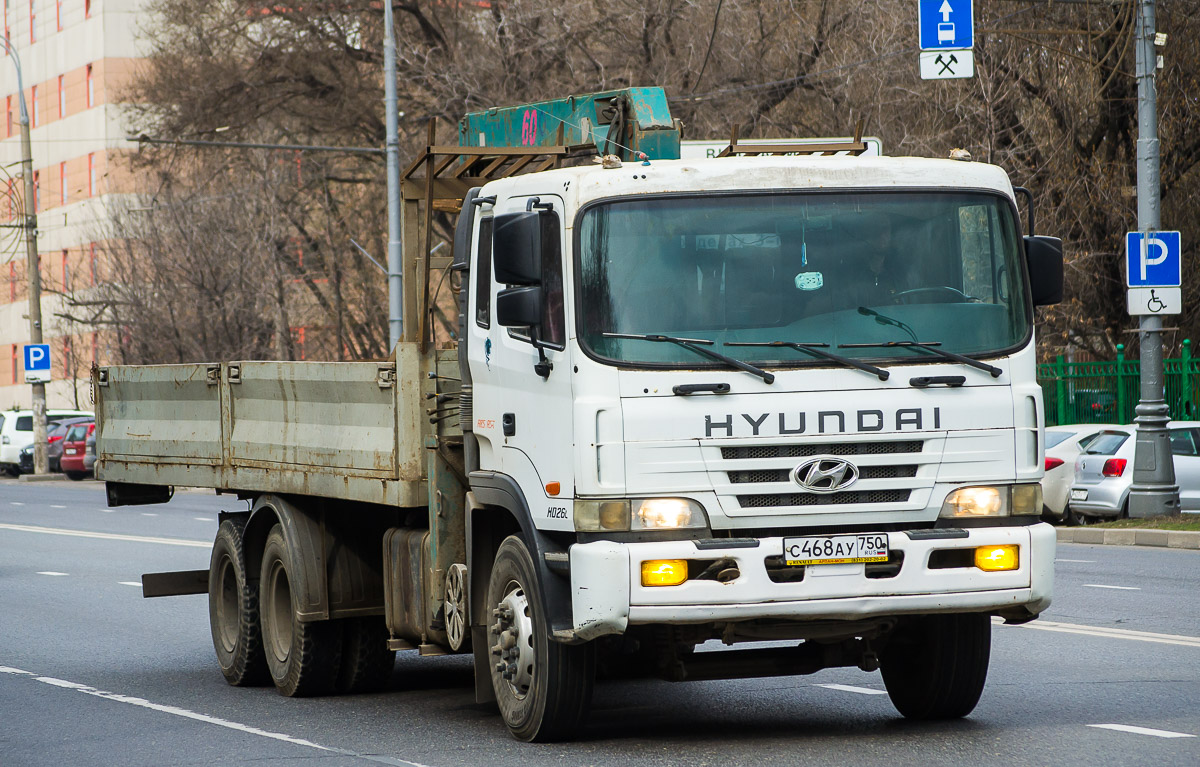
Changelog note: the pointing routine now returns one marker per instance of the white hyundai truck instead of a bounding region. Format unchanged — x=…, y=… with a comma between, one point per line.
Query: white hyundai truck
x=749, y=399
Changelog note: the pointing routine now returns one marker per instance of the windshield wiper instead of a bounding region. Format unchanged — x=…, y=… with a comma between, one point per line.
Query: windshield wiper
x=932, y=348
x=883, y=319
x=816, y=350
x=697, y=345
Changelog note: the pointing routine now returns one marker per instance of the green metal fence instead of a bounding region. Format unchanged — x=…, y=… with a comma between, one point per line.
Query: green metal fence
x=1107, y=392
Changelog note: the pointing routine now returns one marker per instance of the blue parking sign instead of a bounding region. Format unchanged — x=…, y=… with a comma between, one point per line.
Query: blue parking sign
x=37, y=363
x=946, y=24
x=1152, y=259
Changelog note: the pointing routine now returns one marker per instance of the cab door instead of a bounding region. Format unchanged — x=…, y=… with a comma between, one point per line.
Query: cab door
x=522, y=417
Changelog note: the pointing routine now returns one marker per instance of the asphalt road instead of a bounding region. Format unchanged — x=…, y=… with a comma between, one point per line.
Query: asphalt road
x=92, y=674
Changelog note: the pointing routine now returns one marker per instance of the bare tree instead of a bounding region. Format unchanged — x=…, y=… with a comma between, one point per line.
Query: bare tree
x=1053, y=102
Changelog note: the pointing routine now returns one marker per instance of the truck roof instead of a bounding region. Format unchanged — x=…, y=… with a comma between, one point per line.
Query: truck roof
x=758, y=173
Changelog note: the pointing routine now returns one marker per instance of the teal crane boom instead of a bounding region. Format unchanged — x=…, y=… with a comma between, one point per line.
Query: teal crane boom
x=629, y=122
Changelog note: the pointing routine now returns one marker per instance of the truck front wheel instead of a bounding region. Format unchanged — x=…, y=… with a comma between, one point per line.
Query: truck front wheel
x=543, y=688
x=233, y=610
x=303, y=657
x=935, y=666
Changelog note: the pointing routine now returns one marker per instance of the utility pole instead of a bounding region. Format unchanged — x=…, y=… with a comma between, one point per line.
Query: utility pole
x=41, y=463
x=392, y=122
x=1154, y=491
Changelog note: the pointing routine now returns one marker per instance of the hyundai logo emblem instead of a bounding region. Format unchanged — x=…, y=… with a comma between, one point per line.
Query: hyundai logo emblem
x=825, y=474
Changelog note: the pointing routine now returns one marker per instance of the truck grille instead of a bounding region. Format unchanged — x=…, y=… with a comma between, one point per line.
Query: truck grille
x=784, y=475
x=891, y=474
x=835, y=448
x=816, y=499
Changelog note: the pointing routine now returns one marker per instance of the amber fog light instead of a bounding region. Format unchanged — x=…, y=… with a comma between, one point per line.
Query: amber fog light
x=997, y=558
x=664, y=572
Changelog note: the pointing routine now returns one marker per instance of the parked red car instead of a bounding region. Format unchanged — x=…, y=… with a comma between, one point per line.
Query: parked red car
x=75, y=446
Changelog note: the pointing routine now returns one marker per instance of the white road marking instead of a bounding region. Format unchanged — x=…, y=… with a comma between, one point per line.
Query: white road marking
x=63, y=683
x=149, y=514
x=203, y=519
x=1117, y=588
x=1142, y=730
x=130, y=583
x=57, y=507
x=206, y=719
x=51, y=572
x=107, y=511
x=851, y=688
x=105, y=536
x=1078, y=561
x=1108, y=633
x=16, y=503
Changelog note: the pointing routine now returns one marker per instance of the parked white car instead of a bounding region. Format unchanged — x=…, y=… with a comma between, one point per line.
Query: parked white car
x=16, y=431
x=1104, y=471
x=1063, y=445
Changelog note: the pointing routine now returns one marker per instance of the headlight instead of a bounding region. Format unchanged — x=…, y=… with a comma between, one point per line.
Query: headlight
x=993, y=501
x=639, y=514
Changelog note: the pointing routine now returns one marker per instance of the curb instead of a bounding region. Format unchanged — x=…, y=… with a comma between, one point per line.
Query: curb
x=1170, y=539
x=43, y=478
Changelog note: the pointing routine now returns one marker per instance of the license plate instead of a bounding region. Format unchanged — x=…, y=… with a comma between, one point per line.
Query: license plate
x=836, y=549
x=70, y=452
x=1079, y=495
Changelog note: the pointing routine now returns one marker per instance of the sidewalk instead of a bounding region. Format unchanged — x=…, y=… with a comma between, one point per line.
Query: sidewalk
x=1171, y=539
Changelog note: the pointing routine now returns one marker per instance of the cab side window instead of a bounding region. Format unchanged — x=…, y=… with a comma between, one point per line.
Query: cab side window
x=553, y=318
x=483, y=275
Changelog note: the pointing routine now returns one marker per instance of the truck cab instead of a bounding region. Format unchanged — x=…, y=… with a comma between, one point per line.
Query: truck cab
x=749, y=397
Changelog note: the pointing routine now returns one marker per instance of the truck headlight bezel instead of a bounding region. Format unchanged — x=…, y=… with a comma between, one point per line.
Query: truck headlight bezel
x=989, y=501
x=639, y=515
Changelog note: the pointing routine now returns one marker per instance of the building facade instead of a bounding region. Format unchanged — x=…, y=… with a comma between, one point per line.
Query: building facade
x=77, y=59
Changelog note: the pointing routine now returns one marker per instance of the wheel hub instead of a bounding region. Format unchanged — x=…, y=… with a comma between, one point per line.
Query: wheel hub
x=512, y=632
x=456, y=605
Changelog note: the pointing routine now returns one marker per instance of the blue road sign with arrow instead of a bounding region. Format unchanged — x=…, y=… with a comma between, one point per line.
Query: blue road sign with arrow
x=947, y=24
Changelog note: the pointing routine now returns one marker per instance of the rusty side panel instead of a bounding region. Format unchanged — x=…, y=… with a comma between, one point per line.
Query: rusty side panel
x=169, y=413
x=324, y=416
x=346, y=430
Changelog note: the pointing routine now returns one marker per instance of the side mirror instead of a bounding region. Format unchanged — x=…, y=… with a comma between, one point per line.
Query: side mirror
x=517, y=248
x=1044, y=259
x=520, y=307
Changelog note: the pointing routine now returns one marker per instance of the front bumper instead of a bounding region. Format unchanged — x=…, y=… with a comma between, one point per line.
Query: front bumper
x=607, y=595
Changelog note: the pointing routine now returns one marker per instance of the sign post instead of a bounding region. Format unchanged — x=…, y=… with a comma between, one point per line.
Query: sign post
x=1154, y=258
x=947, y=38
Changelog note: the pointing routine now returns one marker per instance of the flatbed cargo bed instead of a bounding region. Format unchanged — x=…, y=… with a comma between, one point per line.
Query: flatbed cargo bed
x=346, y=430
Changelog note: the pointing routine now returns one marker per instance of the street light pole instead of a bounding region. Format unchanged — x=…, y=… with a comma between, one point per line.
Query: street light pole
x=1154, y=491
x=392, y=125
x=40, y=461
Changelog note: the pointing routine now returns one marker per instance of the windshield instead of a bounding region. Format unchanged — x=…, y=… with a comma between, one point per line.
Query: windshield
x=824, y=268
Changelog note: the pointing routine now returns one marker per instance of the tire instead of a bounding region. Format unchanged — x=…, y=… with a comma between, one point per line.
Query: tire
x=233, y=610
x=543, y=688
x=75, y=475
x=303, y=657
x=935, y=667
x=367, y=664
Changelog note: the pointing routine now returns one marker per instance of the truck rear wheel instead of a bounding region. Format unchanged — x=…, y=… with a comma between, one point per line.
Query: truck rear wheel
x=233, y=610
x=303, y=657
x=543, y=688
x=935, y=667
x=367, y=664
